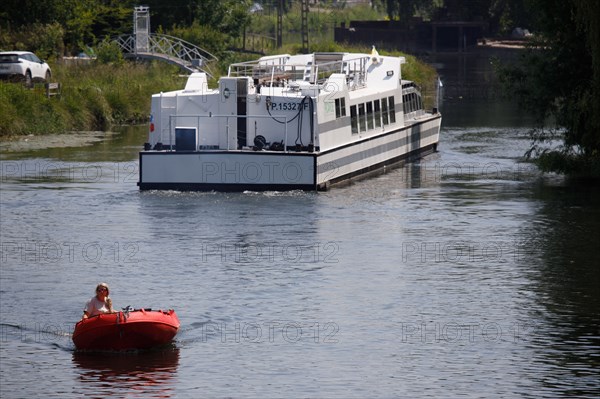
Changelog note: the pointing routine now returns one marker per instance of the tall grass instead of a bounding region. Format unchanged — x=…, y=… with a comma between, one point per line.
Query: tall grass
x=93, y=97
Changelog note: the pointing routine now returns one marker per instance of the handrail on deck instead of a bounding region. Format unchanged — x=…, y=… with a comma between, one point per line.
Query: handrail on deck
x=280, y=68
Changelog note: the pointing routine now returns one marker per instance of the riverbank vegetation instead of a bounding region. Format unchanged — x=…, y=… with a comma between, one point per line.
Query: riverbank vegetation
x=93, y=96
x=558, y=82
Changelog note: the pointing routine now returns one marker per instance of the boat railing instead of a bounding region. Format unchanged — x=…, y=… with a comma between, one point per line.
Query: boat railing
x=230, y=139
x=276, y=70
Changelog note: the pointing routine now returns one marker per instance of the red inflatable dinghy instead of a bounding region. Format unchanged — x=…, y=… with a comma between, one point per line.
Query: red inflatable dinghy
x=135, y=329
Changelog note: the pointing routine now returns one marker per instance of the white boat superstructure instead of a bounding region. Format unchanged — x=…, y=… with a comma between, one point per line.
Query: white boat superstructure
x=287, y=122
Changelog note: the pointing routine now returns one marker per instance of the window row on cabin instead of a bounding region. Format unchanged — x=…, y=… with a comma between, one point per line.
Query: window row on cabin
x=411, y=102
x=372, y=114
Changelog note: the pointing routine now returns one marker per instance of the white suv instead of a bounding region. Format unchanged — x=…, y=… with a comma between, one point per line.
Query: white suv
x=25, y=66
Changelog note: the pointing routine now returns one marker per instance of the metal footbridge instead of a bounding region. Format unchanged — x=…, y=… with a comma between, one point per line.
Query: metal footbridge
x=145, y=45
x=167, y=48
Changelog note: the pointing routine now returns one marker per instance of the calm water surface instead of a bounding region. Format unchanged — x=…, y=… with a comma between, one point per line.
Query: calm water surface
x=466, y=274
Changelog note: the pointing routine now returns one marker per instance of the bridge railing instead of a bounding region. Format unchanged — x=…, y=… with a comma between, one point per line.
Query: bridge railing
x=185, y=54
x=126, y=42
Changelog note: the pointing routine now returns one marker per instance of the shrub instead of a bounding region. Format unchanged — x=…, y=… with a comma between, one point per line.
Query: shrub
x=109, y=52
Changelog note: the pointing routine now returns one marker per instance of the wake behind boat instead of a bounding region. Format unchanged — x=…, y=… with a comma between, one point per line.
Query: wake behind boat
x=127, y=330
x=286, y=122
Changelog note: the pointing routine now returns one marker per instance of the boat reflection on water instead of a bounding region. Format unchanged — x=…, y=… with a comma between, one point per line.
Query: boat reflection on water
x=148, y=373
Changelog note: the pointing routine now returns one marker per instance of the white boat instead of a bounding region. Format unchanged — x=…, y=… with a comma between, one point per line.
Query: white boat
x=287, y=122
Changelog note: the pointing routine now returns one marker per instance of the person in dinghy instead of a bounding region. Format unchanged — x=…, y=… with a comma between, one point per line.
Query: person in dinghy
x=101, y=303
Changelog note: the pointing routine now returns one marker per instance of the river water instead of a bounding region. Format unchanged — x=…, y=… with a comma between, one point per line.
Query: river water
x=467, y=274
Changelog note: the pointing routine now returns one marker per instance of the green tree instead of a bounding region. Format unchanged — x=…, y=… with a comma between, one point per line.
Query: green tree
x=83, y=21
x=558, y=79
x=403, y=10
x=505, y=15
x=228, y=16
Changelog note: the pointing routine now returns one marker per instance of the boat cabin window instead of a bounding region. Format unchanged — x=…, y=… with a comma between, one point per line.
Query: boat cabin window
x=377, y=113
x=369, y=115
x=362, y=118
x=406, y=104
x=412, y=102
x=372, y=114
x=340, y=107
x=384, y=111
x=353, y=119
x=392, y=108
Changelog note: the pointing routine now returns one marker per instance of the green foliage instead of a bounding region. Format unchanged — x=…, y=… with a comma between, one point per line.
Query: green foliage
x=404, y=10
x=46, y=40
x=319, y=19
x=212, y=40
x=503, y=15
x=558, y=81
x=80, y=21
x=93, y=97
x=568, y=163
x=26, y=111
x=109, y=52
x=229, y=17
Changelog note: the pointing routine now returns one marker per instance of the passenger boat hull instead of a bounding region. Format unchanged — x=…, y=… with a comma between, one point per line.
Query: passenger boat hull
x=138, y=329
x=279, y=171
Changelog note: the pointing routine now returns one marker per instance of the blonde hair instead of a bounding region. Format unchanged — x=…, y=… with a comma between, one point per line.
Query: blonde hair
x=103, y=285
x=107, y=300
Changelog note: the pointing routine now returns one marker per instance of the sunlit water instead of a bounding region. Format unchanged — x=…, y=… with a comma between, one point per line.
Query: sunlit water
x=466, y=274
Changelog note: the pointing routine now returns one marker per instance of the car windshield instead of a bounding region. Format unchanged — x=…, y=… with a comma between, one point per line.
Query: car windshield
x=6, y=58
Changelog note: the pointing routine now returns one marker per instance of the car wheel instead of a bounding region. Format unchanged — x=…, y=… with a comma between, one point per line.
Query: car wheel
x=48, y=76
x=28, y=80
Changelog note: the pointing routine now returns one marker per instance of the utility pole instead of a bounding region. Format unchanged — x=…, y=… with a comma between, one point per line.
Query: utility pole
x=280, y=24
x=305, y=26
